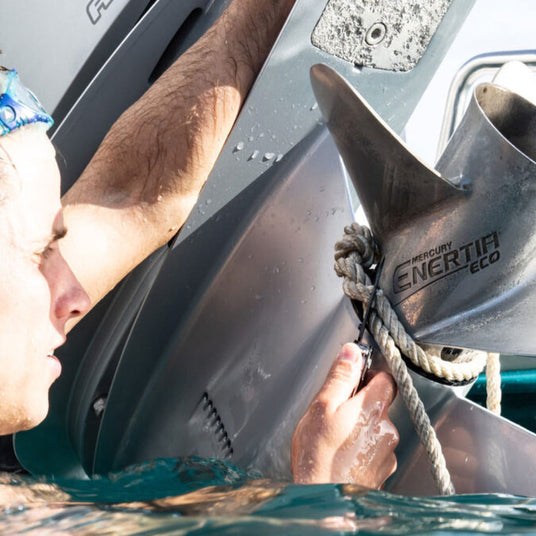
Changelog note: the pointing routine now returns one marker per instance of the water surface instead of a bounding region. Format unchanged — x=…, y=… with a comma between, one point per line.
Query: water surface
x=199, y=497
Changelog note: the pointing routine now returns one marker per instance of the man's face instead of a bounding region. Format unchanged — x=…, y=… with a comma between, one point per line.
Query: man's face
x=38, y=291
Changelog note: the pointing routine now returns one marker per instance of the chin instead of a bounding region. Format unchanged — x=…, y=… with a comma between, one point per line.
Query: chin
x=36, y=415
x=25, y=417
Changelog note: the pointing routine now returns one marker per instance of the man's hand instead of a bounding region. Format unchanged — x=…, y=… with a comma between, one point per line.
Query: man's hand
x=343, y=439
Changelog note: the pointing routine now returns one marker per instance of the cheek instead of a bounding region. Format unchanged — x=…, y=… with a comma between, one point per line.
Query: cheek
x=25, y=298
x=24, y=340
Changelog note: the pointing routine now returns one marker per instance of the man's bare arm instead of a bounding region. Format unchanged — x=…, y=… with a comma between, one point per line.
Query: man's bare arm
x=146, y=176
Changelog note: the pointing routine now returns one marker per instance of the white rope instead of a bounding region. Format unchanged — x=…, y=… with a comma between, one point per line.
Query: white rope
x=493, y=384
x=353, y=254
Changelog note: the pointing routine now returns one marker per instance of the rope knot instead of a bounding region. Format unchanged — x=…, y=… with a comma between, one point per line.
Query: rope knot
x=354, y=255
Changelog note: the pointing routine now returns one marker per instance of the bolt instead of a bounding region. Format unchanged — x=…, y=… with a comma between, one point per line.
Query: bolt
x=376, y=34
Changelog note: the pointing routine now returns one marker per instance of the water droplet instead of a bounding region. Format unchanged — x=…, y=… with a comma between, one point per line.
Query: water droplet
x=261, y=135
x=268, y=156
x=300, y=259
x=333, y=211
x=239, y=146
x=250, y=138
x=309, y=213
x=276, y=270
x=259, y=297
x=208, y=202
x=274, y=136
x=254, y=155
x=279, y=157
x=313, y=288
x=303, y=302
x=159, y=198
x=314, y=106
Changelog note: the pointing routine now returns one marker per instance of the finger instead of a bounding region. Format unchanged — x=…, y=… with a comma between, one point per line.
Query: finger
x=380, y=388
x=343, y=376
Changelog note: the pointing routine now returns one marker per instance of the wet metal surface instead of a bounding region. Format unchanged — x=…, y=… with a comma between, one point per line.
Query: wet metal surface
x=386, y=34
x=459, y=242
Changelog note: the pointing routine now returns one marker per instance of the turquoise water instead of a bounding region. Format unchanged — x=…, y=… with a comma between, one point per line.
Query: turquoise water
x=209, y=497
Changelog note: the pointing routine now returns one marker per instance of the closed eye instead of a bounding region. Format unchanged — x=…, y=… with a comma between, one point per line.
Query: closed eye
x=49, y=248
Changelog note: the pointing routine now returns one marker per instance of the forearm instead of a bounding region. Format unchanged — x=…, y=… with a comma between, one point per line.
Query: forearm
x=146, y=176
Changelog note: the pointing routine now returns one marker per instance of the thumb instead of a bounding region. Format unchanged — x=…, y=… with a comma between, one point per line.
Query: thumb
x=343, y=376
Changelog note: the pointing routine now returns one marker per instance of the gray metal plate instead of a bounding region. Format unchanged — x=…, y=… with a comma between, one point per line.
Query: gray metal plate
x=380, y=34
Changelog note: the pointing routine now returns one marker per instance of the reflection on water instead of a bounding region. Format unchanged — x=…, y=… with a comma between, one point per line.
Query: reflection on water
x=208, y=497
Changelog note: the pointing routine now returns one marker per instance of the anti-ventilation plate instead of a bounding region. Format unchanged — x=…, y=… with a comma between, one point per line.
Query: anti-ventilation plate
x=383, y=34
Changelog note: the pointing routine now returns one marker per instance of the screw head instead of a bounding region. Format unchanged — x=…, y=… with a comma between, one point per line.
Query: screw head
x=376, y=34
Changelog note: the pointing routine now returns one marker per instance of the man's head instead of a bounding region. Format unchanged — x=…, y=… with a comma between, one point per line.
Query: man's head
x=38, y=291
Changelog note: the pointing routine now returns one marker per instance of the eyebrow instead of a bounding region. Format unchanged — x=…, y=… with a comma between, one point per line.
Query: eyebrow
x=57, y=234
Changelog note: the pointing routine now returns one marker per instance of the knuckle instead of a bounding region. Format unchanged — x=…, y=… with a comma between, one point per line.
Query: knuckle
x=386, y=382
x=394, y=435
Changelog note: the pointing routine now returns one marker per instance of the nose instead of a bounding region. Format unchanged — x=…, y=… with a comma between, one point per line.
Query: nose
x=70, y=300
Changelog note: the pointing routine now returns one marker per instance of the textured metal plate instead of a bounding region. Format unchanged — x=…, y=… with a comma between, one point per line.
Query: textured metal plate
x=387, y=34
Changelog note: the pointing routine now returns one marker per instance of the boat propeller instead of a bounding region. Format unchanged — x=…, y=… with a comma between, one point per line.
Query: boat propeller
x=459, y=240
